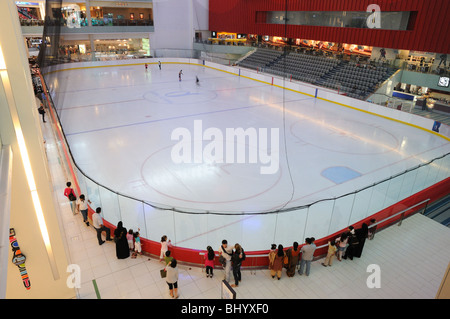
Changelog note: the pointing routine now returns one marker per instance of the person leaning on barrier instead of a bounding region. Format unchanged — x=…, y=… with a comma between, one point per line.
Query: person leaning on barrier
x=97, y=222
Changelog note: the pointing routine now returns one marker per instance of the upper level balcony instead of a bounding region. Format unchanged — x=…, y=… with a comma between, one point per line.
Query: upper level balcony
x=36, y=27
x=82, y=19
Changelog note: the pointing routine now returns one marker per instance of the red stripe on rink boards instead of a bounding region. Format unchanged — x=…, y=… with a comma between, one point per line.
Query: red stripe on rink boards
x=193, y=257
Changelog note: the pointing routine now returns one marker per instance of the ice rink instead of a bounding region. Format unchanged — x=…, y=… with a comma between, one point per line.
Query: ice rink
x=119, y=122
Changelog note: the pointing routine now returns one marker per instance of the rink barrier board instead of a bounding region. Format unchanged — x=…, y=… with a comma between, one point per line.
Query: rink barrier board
x=194, y=256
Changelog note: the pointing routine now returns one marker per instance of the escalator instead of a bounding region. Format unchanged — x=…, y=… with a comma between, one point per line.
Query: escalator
x=440, y=211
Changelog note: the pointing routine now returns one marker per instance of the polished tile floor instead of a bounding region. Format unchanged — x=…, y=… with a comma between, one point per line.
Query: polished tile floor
x=412, y=260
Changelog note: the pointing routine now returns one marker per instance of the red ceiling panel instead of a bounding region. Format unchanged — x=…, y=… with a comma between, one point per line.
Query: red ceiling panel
x=430, y=31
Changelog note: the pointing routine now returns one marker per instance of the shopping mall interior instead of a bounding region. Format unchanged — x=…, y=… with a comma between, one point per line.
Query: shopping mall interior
x=360, y=87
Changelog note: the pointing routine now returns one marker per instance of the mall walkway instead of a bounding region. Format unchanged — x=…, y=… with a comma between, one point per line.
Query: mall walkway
x=412, y=259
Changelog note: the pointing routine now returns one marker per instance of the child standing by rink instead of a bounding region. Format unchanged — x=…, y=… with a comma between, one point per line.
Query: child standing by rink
x=209, y=261
x=130, y=239
x=164, y=247
x=330, y=255
x=342, y=244
x=137, y=244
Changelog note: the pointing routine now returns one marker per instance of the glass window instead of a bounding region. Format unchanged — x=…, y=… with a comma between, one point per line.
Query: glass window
x=343, y=19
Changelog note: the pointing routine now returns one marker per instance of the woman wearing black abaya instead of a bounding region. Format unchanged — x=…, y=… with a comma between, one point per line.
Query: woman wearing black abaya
x=120, y=238
x=361, y=234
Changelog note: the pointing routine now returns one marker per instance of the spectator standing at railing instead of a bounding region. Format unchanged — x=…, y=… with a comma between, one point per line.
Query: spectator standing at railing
x=372, y=230
x=293, y=254
x=237, y=258
x=226, y=252
x=130, y=239
x=137, y=243
x=83, y=208
x=352, y=244
x=120, y=238
x=165, y=244
x=307, y=256
x=330, y=254
x=277, y=265
x=209, y=261
x=272, y=253
x=361, y=234
x=341, y=245
x=97, y=222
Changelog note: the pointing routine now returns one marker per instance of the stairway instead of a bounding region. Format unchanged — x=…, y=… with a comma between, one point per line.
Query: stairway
x=329, y=75
x=440, y=211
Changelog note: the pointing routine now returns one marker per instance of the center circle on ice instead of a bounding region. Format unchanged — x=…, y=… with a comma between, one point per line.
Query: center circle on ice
x=188, y=96
x=204, y=181
x=344, y=136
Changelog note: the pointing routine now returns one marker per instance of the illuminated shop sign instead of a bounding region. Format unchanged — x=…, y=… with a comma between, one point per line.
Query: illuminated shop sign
x=23, y=3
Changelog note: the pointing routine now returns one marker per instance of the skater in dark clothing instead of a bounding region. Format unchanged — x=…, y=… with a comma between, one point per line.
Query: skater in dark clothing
x=159, y=64
x=179, y=75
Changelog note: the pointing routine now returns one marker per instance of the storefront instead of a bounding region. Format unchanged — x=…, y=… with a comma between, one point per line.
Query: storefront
x=227, y=38
x=104, y=49
x=31, y=13
x=112, y=14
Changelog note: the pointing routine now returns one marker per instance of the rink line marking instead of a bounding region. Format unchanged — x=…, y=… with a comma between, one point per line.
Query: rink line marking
x=270, y=84
x=98, y=104
x=131, y=85
x=176, y=118
x=388, y=118
x=412, y=156
x=159, y=120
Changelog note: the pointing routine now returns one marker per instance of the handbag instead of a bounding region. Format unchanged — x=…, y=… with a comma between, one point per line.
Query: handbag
x=163, y=273
x=72, y=197
x=222, y=260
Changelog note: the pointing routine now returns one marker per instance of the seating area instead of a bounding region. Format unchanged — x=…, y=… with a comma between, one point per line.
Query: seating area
x=261, y=58
x=349, y=77
x=302, y=67
x=356, y=80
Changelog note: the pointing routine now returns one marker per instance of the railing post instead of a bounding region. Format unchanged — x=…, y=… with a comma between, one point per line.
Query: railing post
x=401, y=219
x=425, y=209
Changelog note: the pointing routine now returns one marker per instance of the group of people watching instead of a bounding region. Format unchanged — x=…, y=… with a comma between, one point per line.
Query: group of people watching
x=348, y=245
